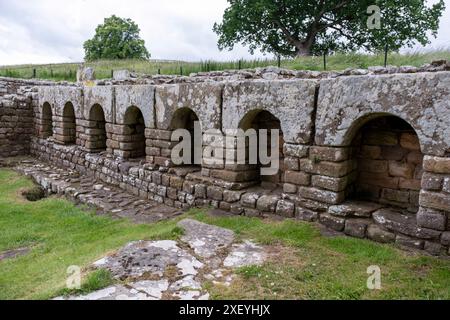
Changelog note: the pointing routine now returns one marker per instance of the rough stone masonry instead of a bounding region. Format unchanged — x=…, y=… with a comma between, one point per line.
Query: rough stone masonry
x=364, y=152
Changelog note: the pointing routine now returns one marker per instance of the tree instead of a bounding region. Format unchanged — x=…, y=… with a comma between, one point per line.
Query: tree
x=116, y=38
x=305, y=27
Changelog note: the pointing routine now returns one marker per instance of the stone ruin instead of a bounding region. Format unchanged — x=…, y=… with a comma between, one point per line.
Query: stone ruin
x=364, y=152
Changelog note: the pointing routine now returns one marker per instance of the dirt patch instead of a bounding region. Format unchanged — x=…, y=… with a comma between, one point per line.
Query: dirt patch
x=12, y=254
x=34, y=194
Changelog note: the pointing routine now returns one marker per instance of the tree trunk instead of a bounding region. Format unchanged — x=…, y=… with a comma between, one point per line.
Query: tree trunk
x=303, y=49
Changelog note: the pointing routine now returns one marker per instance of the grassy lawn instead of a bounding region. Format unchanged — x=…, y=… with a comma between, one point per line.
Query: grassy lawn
x=303, y=264
x=60, y=235
x=103, y=69
x=306, y=265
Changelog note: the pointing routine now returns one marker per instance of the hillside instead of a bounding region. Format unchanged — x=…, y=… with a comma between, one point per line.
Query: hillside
x=67, y=71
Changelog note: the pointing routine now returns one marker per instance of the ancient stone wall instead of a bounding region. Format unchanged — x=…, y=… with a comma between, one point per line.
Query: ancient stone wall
x=365, y=152
x=18, y=98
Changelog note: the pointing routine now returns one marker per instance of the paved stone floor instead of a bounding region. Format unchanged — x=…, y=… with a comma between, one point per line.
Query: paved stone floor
x=154, y=270
x=106, y=199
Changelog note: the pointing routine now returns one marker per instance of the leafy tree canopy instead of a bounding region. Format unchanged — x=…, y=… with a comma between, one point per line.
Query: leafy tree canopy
x=305, y=27
x=116, y=38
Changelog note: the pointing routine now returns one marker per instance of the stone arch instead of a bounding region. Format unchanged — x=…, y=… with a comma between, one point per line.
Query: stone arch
x=185, y=118
x=258, y=119
x=133, y=139
x=46, y=121
x=69, y=124
x=388, y=162
x=96, y=129
x=353, y=129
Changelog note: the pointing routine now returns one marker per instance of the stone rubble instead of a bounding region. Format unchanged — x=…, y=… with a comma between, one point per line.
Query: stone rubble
x=155, y=270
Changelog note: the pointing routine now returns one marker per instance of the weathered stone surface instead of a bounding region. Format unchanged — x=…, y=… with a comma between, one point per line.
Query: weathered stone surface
x=378, y=234
x=306, y=215
x=433, y=248
x=436, y=164
x=355, y=209
x=356, y=227
x=203, y=98
x=332, y=222
x=435, y=200
x=139, y=96
x=403, y=223
x=328, y=197
x=297, y=178
x=267, y=203
x=445, y=238
x=205, y=240
x=291, y=102
x=409, y=242
x=285, y=208
x=245, y=254
x=432, y=219
x=330, y=183
x=412, y=97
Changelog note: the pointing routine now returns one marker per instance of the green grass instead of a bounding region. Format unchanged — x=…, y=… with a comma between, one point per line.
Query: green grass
x=307, y=265
x=67, y=71
x=302, y=264
x=60, y=235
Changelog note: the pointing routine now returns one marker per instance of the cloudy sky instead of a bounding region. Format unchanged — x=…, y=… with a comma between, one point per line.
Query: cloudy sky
x=50, y=31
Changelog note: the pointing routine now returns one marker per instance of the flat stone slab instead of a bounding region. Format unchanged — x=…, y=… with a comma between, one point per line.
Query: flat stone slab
x=403, y=223
x=204, y=239
x=150, y=258
x=106, y=199
x=355, y=209
x=245, y=254
x=155, y=270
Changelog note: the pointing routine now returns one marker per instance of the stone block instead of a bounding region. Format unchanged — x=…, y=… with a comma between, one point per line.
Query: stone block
x=292, y=164
x=356, y=227
x=370, y=152
x=433, y=248
x=332, y=222
x=395, y=195
x=435, y=200
x=393, y=153
x=297, y=178
x=381, y=138
x=324, y=196
x=215, y=193
x=436, y=164
x=354, y=209
x=295, y=150
x=324, y=168
x=445, y=238
x=378, y=234
x=306, y=214
x=409, y=141
x=290, y=188
x=329, y=154
x=330, y=183
x=373, y=166
x=267, y=203
x=401, y=169
x=249, y=199
x=432, y=219
x=285, y=209
x=409, y=242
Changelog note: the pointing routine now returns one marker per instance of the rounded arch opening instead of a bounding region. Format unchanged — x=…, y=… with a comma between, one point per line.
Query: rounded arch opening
x=47, y=121
x=69, y=124
x=388, y=161
x=97, y=129
x=265, y=120
x=135, y=123
x=185, y=118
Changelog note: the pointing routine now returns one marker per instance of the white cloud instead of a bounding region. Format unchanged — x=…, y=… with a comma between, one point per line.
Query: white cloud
x=49, y=31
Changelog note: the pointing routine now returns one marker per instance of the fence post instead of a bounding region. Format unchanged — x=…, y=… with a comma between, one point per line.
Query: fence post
x=51, y=73
x=181, y=70
x=34, y=73
x=159, y=70
x=279, y=61
x=325, y=61
x=112, y=74
x=240, y=64
x=386, y=48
